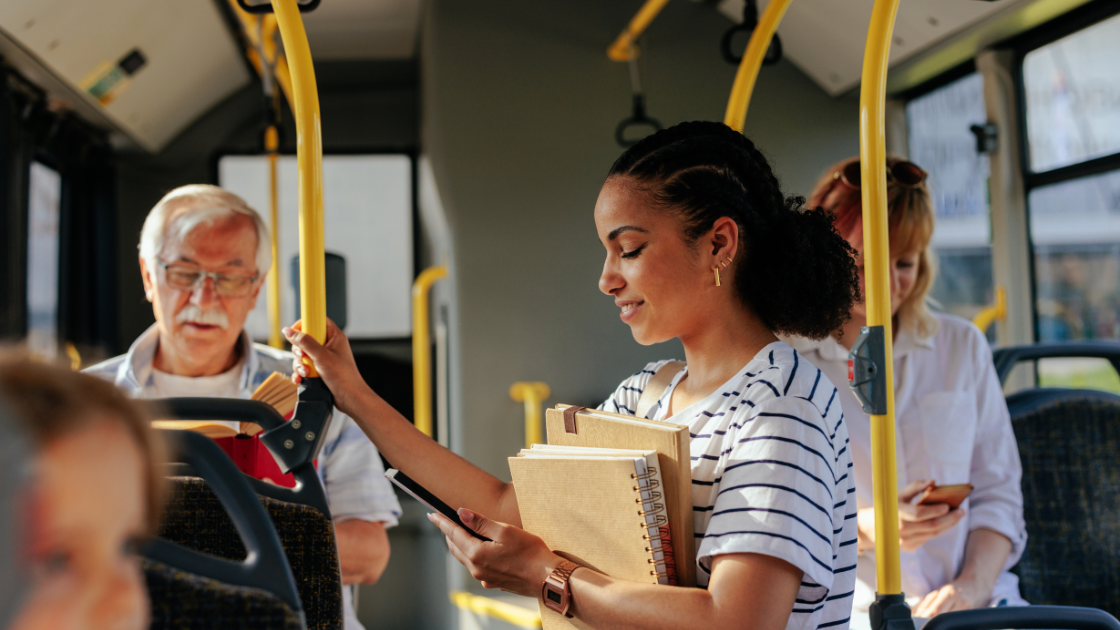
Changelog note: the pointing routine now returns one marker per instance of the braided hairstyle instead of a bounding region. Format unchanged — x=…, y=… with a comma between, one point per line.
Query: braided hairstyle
x=796, y=273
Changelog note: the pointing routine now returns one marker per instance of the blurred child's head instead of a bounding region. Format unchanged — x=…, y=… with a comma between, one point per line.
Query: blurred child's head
x=96, y=496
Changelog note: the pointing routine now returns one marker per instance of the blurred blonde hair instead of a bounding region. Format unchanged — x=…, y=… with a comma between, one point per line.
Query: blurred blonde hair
x=50, y=402
x=910, y=221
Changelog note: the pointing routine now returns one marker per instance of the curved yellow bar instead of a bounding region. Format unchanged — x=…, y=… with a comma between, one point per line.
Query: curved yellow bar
x=272, y=145
x=509, y=613
x=309, y=156
x=422, y=349
x=745, y=78
x=876, y=257
x=623, y=48
x=532, y=393
x=994, y=313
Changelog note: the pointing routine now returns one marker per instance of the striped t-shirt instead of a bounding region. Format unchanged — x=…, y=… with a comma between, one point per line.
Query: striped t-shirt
x=771, y=474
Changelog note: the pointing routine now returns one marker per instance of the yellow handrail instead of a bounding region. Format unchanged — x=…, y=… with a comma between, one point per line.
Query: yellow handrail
x=876, y=255
x=272, y=145
x=509, y=613
x=309, y=157
x=623, y=48
x=747, y=74
x=422, y=349
x=532, y=393
x=259, y=37
x=993, y=313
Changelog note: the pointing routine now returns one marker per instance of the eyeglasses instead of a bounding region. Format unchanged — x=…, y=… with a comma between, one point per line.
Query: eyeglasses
x=901, y=173
x=188, y=278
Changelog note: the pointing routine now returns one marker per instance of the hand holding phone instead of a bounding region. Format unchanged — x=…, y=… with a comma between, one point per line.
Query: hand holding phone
x=421, y=494
x=952, y=495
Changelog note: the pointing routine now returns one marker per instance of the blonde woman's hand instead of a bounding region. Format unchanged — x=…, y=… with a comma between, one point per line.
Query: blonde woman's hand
x=958, y=595
x=333, y=360
x=917, y=524
x=513, y=560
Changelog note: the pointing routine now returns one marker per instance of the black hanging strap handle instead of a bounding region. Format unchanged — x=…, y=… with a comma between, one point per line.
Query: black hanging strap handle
x=638, y=118
x=305, y=6
x=750, y=21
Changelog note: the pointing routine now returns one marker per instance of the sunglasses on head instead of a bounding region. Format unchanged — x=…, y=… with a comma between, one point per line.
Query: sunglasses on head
x=901, y=173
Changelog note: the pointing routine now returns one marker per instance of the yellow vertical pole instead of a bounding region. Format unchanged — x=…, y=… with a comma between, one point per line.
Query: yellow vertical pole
x=309, y=156
x=876, y=257
x=532, y=393
x=272, y=145
x=422, y=349
x=747, y=74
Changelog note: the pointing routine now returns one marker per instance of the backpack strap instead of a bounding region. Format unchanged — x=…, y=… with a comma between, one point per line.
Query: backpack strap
x=656, y=386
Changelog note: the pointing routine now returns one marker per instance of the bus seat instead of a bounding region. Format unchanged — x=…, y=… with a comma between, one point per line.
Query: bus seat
x=185, y=601
x=190, y=589
x=1068, y=440
x=195, y=519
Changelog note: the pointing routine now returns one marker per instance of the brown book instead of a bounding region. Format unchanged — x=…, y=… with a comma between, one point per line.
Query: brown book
x=276, y=390
x=603, y=429
x=598, y=507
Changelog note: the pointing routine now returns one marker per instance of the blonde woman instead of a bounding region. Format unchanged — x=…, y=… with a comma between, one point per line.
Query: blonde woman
x=953, y=424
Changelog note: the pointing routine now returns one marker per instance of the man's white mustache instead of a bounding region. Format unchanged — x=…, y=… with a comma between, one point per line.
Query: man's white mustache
x=209, y=317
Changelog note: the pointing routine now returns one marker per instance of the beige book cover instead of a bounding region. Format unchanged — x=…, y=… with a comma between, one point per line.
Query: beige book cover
x=589, y=510
x=603, y=429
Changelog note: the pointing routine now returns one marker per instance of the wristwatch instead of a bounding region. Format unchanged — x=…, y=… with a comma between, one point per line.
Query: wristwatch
x=556, y=593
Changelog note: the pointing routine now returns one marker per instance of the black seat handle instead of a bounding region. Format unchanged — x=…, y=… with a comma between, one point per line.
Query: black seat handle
x=309, y=490
x=266, y=565
x=1025, y=618
x=1005, y=359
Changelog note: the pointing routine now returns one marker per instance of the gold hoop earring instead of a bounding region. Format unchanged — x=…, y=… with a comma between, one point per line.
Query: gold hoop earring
x=716, y=270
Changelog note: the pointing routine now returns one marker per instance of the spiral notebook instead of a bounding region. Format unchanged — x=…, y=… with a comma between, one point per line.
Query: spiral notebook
x=601, y=508
x=576, y=426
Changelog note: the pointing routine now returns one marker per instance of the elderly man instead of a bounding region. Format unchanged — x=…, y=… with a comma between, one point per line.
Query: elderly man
x=204, y=254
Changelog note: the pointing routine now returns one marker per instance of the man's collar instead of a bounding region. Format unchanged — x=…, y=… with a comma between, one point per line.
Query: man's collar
x=142, y=355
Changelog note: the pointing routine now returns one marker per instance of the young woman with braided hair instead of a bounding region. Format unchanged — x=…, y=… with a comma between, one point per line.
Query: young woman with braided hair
x=701, y=246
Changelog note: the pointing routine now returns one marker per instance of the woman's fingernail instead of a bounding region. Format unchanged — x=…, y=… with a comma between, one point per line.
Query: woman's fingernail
x=431, y=517
x=286, y=331
x=466, y=516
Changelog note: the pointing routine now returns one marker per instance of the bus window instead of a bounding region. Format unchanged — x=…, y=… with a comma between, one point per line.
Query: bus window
x=44, y=192
x=941, y=143
x=1078, y=373
x=367, y=219
x=1071, y=86
x=1073, y=123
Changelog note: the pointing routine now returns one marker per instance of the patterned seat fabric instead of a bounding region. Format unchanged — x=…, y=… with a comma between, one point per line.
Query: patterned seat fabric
x=1068, y=441
x=195, y=519
x=184, y=601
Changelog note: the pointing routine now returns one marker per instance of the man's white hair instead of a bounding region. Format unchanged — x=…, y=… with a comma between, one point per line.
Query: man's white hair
x=194, y=206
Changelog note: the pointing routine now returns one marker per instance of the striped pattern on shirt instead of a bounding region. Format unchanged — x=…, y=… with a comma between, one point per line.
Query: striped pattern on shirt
x=771, y=474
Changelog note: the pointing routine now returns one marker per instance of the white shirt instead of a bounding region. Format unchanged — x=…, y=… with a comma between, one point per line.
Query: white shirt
x=349, y=465
x=771, y=474
x=952, y=427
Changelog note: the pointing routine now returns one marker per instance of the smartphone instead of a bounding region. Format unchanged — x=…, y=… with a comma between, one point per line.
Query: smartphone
x=952, y=495
x=418, y=492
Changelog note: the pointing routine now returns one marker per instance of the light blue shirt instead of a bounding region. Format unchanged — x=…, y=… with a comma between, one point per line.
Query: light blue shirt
x=349, y=464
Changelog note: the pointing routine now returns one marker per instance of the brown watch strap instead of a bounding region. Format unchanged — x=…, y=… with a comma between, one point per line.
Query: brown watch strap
x=564, y=570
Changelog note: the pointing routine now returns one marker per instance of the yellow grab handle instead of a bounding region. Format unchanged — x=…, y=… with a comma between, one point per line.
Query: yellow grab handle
x=876, y=256
x=745, y=78
x=422, y=349
x=532, y=393
x=309, y=157
x=272, y=145
x=623, y=48
x=509, y=613
x=993, y=313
